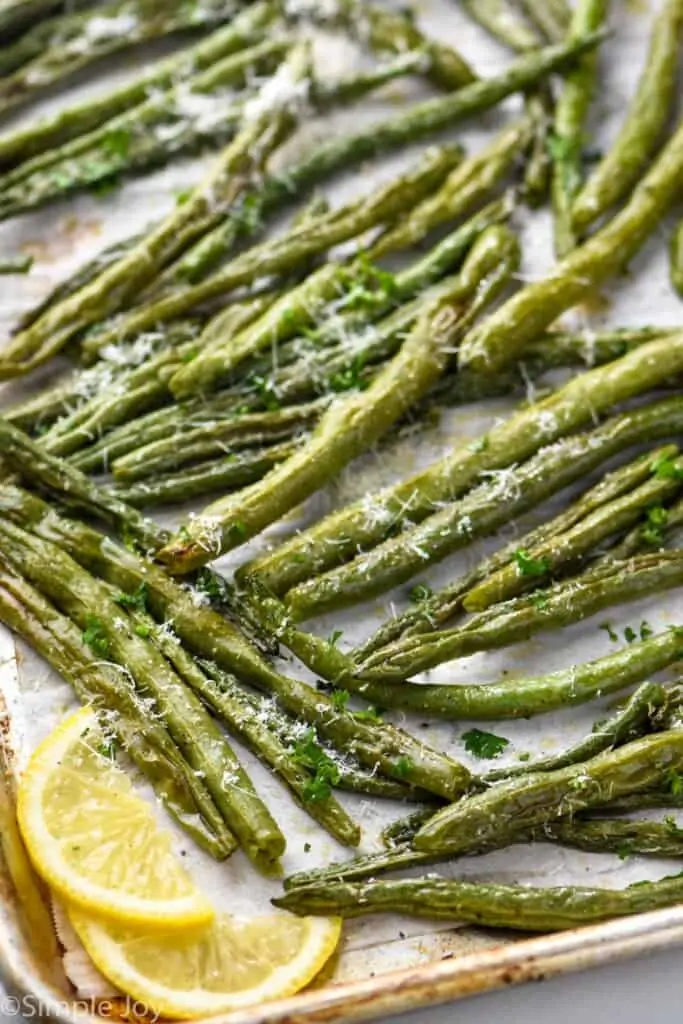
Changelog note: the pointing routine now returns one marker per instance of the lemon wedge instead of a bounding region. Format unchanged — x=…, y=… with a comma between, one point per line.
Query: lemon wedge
x=95, y=841
x=232, y=964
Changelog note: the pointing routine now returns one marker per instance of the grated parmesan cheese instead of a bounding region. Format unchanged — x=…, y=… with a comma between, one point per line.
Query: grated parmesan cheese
x=281, y=92
x=319, y=10
x=101, y=28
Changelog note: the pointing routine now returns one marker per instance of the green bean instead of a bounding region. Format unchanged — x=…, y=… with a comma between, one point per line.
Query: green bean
x=350, y=426
x=676, y=258
x=122, y=280
x=120, y=709
x=625, y=838
x=477, y=514
x=504, y=336
x=89, y=603
x=244, y=30
x=464, y=188
x=502, y=22
x=571, y=111
x=645, y=124
x=214, y=437
x=552, y=554
x=498, y=906
x=224, y=475
x=342, y=534
x=542, y=797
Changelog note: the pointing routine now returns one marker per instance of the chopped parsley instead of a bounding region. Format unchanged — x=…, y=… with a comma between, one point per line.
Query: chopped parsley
x=610, y=632
x=340, y=698
x=265, y=389
x=248, y=214
x=350, y=378
x=529, y=566
x=107, y=749
x=667, y=468
x=335, y=637
x=675, y=782
x=137, y=600
x=480, y=445
x=369, y=715
x=420, y=592
x=238, y=528
x=560, y=147
x=404, y=766
x=212, y=585
x=484, y=744
x=94, y=635
x=672, y=825
x=652, y=530
x=372, y=287
x=539, y=599
x=309, y=754
x=117, y=142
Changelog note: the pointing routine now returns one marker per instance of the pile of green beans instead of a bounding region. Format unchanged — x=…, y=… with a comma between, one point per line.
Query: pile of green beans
x=210, y=359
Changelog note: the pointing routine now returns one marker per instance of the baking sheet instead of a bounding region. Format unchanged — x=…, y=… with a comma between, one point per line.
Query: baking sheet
x=62, y=236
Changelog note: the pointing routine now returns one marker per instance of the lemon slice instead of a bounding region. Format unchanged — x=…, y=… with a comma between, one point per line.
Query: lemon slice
x=95, y=841
x=232, y=964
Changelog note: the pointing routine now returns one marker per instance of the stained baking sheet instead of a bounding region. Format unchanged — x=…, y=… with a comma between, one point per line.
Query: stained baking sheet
x=63, y=236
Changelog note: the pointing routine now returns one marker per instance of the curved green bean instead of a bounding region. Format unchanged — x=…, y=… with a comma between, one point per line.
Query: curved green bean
x=502, y=338
x=477, y=514
x=497, y=906
x=644, y=126
x=351, y=425
x=572, y=601
x=571, y=111
x=341, y=535
x=554, y=553
x=541, y=797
